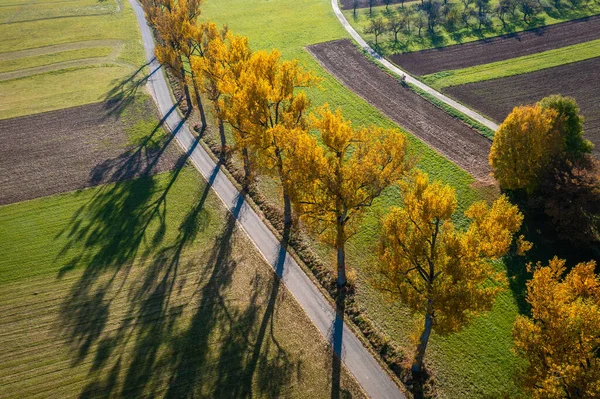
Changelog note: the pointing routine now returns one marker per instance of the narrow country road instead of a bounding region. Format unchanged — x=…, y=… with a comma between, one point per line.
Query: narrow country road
x=373, y=379
x=409, y=79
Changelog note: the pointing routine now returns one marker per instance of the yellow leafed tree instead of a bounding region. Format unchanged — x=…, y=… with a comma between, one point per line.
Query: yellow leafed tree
x=523, y=147
x=264, y=106
x=179, y=36
x=223, y=57
x=336, y=185
x=436, y=269
x=561, y=339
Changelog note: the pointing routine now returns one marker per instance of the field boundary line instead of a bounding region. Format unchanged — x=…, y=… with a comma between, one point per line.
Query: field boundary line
x=409, y=79
x=373, y=379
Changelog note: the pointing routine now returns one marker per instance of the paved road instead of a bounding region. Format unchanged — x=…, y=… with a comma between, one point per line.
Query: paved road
x=409, y=79
x=373, y=379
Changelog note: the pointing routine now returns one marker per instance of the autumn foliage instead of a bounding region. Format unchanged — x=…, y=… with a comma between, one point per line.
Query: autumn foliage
x=345, y=176
x=523, y=147
x=436, y=269
x=540, y=150
x=561, y=339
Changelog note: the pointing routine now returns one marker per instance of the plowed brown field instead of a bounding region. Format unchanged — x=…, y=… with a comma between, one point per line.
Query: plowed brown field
x=452, y=138
x=497, y=97
x=500, y=48
x=69, y=149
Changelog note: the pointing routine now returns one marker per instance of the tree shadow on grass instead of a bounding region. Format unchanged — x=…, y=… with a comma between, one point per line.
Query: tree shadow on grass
x=121, y=223
x=123, y=93
x=538, y=230
x=137, y=346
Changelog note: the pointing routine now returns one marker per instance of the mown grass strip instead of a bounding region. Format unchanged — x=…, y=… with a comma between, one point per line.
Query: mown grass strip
x=486, y=131
x=514, y=66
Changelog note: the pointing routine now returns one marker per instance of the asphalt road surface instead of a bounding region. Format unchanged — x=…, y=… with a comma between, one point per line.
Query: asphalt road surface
x=359, y=361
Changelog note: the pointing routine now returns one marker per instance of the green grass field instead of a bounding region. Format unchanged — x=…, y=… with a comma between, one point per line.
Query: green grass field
x=477, y=362
x=53, y=36
x=146, y=288
x=443, y=38
x=514, y=66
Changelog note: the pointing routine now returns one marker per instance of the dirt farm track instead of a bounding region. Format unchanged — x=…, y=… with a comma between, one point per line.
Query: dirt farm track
x=449, y=136
x=497, y=97
x=500, y=48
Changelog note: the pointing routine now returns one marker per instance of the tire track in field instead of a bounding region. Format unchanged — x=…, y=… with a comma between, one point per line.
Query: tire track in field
x=58, y=48
x=111, y=59
x=447, y=135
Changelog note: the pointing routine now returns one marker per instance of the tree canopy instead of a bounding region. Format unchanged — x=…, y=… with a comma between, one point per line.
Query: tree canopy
x=345, y=176
x=523, y=147
x=437, y=269
x=561, y=339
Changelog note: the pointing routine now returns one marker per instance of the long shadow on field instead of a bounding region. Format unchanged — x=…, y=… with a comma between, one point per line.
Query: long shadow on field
x=120, y=223
x=124, y=91
x=151, y=316
x=537, y=228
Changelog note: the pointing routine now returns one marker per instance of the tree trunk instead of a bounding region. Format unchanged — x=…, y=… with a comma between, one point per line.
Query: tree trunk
x=340, y=243
x=199, y=102
x=417, y=366
x=287, y=209
x=287, y=203
x=186, y=91
x=222, y=135
x=247, y=168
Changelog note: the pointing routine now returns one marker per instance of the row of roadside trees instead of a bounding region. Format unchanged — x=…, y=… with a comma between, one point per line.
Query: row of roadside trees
x=440, y=271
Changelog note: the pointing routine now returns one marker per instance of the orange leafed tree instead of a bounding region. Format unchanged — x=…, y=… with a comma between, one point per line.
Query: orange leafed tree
x=223, y=58
x=561, y=339
x=523, y=147
x=436, y=269
x=336, y=185
x=264, y=106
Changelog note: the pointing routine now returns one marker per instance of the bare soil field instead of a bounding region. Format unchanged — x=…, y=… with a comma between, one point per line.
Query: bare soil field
x=496, y=98
x=447, y=135
x=73, y=148
x=499, y=48
x=349, y=4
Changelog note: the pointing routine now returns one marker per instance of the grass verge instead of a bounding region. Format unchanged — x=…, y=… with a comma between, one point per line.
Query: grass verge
x=486, y=131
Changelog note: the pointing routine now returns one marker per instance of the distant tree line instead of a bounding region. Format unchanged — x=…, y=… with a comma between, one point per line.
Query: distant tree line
x=429, y=16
